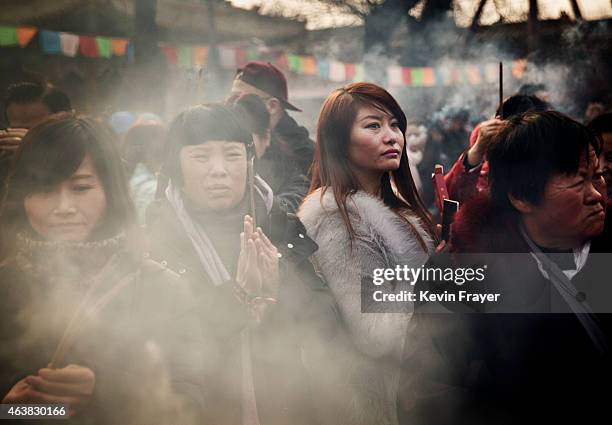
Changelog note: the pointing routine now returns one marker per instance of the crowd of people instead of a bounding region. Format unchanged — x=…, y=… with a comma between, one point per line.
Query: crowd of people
x=218, y=270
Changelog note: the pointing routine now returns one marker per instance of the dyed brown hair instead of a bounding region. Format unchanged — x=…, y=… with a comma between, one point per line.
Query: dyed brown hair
x=331, y=167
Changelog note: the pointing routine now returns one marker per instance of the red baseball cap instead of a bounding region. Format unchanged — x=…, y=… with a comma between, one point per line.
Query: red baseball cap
x=267, y=78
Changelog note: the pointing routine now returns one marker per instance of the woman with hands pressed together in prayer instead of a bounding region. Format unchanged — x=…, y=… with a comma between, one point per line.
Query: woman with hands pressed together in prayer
x=246, y=260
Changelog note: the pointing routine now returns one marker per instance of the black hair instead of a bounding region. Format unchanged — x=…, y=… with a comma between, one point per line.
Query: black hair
x=254, y=111
x=602, y=123
x=49, y=154
x=28, y=92
x=460, y=115
x=530, y=149
x=199, y=124
x=532, y=89
x=520, y=103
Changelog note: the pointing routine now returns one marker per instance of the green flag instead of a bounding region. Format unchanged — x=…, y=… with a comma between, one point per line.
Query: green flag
x=418, y=77
x=295, y=63
x=184, y=56
x=8, y=36
x=105, y=47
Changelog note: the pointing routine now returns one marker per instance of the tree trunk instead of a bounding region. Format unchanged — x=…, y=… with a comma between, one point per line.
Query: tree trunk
x=150, y=69
x=532, y=39
x=576, y=9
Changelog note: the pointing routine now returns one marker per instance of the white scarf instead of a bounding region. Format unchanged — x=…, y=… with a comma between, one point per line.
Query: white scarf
x=216, y=270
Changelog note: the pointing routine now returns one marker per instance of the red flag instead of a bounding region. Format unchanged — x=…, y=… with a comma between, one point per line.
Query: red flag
x=241, y=57
x=88, y=46
x=169, y=51
x=407, y=76
x=349, y=71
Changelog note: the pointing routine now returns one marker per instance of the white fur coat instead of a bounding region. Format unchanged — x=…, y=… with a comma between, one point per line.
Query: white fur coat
x=358, y=373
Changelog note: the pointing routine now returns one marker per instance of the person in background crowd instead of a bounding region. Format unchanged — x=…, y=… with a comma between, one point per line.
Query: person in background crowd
x=543, y=227
x=538, y=90
x=595, y=107
x=448, y=138
x=85, y=321
x=26, y=104
x=257, y=120
x=364, y=213
x=122, y=121
x=142, y=147
x=602, y=125
x=416, y=139
x=287, y=161
x=259, y=298
x=468, y=176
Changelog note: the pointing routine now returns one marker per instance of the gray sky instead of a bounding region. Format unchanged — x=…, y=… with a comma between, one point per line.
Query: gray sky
x=319, y=16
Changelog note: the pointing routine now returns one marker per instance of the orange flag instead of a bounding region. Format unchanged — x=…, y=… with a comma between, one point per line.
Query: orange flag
x=309, y=65
x=25, y=34
x=119, y=46
x=519, y=66
x=429, y=77
x=199, y=55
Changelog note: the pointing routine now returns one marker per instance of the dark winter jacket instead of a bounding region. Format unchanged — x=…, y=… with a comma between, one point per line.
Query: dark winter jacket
x=305, y=313
x=534, y=364
x=443, y=147
x=142, y=345
x=286, y=163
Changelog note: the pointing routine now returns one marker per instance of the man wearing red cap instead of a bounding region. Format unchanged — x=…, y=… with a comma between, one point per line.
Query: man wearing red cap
x=286, y=162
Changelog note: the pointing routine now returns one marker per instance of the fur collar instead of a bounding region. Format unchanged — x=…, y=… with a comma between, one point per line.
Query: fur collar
x=369, y=216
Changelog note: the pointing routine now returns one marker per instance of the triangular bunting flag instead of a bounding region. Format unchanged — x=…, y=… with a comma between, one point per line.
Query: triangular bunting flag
x=184, y=55
x=8, y=36
x=295, y=65
x=104, y=47
x=119, y=46
x=241, y=57
x=130, y=53
x=50, y=41
x=199, y=56
x=359, y=72
x=349, y=71
x=227, y=57
x=518, y=68
x=88, y=46
x=25, y=35
x=309, y=65
x=491, y=72
x=323, y=68
x=417, y=77
x=406, y=76
x=429, y=77
x=473, y=74
x=394, y=75
x=440, y=76
x=282, y=61
x=337, y=71
x=169, y=51
x=69, y=43
x=252, y=54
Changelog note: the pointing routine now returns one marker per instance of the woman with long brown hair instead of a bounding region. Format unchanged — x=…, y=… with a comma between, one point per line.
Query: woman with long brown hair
x=366, y=216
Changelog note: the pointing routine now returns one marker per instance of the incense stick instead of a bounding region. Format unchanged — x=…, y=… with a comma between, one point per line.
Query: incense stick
x=501, y=90
x=251, y=171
